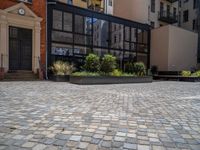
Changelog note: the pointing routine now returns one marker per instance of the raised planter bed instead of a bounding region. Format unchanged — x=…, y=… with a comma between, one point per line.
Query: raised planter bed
x=60, y=78
x=190, y=79
x=89, y=80
x=176, y=78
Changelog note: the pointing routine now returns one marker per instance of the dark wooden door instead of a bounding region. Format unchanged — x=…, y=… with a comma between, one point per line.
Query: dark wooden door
x=20, y=49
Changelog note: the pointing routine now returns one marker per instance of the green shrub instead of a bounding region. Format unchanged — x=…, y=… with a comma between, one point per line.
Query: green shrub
x=92, y=63
x=196, y=74
x=116, y=73
x=139, y=69
x=62, y=68
x=129, y=75
x=85, y=74
x=186, y=73
x=129, y=67
x=108, y=64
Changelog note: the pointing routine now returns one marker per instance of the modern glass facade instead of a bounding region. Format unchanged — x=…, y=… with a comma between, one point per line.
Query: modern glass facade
x=75, y=32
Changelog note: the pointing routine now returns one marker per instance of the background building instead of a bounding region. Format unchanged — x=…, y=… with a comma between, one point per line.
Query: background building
x=173, y=48
x=190, y=17
x=22, y=34
x=75, y=32
x=160, y=15
x=153, y=12
x=104, y=6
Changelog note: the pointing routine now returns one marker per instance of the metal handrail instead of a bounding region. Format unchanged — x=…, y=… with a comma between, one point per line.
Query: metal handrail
x=168, y=15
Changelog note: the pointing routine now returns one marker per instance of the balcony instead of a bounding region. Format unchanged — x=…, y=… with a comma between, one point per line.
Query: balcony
x=167, y=17
x=172, y=1
x=96, y=8
x=96, y=5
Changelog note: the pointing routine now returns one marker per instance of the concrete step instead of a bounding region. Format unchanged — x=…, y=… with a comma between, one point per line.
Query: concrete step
x=20, y=76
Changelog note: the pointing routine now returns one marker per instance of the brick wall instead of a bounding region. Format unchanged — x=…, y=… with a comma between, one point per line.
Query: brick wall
x=39, y=8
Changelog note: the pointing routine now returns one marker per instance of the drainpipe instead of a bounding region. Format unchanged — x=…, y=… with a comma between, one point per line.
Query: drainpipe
x=46, y=45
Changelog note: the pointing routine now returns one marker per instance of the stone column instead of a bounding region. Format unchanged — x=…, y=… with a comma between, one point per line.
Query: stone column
x=4, y=41
x=37, y=47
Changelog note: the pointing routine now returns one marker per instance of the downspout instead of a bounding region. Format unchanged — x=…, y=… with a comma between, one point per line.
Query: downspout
x=46, y=43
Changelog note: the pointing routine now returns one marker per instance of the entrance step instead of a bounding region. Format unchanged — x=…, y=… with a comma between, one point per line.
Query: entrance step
x=20, y=76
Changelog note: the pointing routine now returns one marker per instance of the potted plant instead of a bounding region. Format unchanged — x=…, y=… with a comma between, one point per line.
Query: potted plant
x=154, y=70
x=61, y=71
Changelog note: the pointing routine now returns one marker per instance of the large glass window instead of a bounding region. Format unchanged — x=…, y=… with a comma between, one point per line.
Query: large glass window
x=100, y=33
x=67, y=22
x=57, y=19
x=74, y=35
x=62, y=20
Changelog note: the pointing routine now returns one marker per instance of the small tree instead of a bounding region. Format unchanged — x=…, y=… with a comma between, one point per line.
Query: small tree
x=92, y=63
x=139, y=69
x=108, y=64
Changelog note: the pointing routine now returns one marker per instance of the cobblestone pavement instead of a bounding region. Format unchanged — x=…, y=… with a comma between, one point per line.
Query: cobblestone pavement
x=51, y=116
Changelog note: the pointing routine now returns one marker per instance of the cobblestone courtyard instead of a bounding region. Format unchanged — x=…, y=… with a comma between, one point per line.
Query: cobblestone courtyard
x=51, y=116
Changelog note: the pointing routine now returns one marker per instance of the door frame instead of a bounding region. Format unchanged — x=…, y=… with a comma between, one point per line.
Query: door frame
x=20, y=44
x=10, y=17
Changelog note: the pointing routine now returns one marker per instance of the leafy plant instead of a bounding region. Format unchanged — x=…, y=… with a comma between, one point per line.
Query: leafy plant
x=186, y=73
x=116, y=73
x=62, y=68
x=108, y=64
x=139, y=69
x=196, y=74
x=92, y=63
x=84, y=73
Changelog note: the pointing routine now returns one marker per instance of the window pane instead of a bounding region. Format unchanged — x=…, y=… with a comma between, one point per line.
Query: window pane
x=80, y=50
x=100, y=52
x=127, y=34
x=61, y=49
x=57, y=19
x=100, y=35
x=117, y=36
x=82, y=39
x=67, y=21
x=142, y=58
x=62, y=37
x=79, y=24
x=133, y=34
x=142, y=48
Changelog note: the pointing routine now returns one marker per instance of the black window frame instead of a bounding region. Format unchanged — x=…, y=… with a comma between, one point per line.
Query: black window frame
x=110, y=19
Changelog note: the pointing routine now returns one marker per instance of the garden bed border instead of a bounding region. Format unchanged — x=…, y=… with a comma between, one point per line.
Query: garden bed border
x=90, y=80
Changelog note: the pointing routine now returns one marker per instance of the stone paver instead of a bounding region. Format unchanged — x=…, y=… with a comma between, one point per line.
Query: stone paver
x=54, y=116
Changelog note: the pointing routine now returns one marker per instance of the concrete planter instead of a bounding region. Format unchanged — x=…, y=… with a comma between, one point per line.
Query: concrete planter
x=176, y=78
x=88, y=80
x=190, y=79
x=2, y=73
x=60, y=78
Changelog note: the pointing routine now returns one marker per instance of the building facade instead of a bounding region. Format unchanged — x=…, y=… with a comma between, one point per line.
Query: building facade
x=74, y=32
x=160, y=15
x=173, y=48
x=22, y=34
x=190, y=18
x=153, y=12
x=103, y=6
